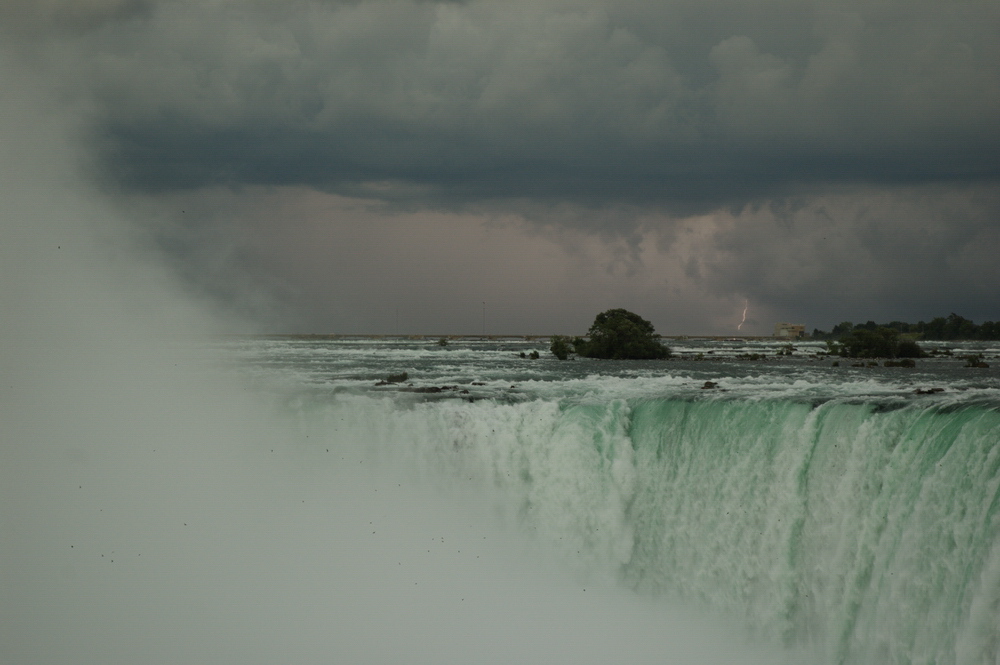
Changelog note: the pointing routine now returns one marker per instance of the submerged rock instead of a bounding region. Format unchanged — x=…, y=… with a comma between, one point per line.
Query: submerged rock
x=393, y=378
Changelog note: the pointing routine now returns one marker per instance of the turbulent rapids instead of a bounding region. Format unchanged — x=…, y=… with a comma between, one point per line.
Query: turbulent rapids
x=860, y=520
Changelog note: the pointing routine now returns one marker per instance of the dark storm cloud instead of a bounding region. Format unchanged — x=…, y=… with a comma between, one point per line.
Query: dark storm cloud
x=684, y=105
x=324, y=165
x=893, y=254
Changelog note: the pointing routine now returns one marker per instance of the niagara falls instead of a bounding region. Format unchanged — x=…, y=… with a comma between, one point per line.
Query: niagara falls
x=403, y=332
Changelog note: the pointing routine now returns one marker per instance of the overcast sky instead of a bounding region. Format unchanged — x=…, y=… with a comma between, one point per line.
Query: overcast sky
x=382, y=167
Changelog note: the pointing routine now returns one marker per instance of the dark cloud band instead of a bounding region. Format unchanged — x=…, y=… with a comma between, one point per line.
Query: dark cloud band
x=684, y=106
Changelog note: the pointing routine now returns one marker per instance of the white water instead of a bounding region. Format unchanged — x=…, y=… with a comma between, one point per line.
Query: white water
x=860, y=533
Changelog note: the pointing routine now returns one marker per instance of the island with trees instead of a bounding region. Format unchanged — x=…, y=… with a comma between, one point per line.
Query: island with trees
x=616, y=334
x=952, y=327
x=898, y=339
x=882, y=342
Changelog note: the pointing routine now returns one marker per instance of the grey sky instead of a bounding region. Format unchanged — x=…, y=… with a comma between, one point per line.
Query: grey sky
x=373, y=166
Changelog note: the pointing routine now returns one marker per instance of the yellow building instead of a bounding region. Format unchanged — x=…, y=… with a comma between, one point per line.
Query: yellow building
x=789, y=330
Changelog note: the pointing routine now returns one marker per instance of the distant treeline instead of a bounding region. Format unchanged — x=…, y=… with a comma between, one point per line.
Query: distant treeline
x=942, y=328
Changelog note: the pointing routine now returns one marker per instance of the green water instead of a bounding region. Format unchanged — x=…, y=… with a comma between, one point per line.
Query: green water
x=864, y=533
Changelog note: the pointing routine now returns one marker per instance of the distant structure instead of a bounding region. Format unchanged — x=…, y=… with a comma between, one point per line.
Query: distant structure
x=789, y=330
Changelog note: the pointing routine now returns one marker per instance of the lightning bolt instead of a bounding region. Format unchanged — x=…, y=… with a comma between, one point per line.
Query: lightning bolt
x=746, y=306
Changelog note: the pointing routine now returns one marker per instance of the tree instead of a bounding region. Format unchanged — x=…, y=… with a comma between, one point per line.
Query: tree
x=940, y=328
x=959, y=327
x=935, y=329
x=907, y=348
x=841, y=329
x=621, y=335
x=560, y=347
x=864, y=343
x=879, y=343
